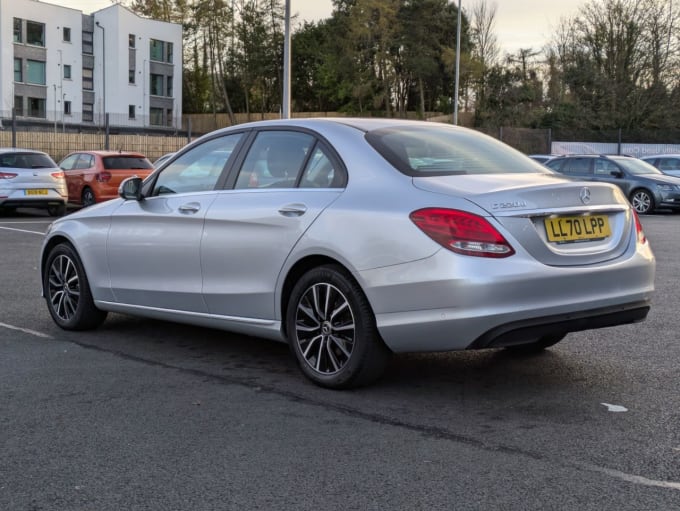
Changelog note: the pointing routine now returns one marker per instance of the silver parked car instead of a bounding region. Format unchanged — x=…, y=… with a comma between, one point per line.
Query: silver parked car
x=368, y=237
x=31, y=179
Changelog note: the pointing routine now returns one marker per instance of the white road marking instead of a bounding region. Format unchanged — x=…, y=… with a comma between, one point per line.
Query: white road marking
x=634, y=479
x=22, y=230
x=25, y=330
x=615, y=408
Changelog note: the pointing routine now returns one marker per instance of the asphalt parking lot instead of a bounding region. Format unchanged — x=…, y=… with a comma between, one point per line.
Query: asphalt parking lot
x=144, y=414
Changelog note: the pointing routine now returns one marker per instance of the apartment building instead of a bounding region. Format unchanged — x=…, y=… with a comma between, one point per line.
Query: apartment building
x=65, y=67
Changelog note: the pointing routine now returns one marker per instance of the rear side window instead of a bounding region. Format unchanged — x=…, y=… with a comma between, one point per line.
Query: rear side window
x=26, y=161
x=577, y=166
x=126, y=163
x=443, y=150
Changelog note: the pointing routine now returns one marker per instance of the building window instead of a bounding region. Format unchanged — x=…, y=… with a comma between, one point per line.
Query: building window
x=88, y=47
x=18, y=38
x=169, y=86
x=67, y=71
x=67, y=108
x=18, y=70
x=156, y=50
x=88, y=81
x=169, y=52
x=35, y=72
x=168, y=118
x=88, y=112
x=36, y=107
x=35, y=33
x=156, y=116
x=67, y=34
x=131, y=40
x=156, y=85
x=19, y=105
x=131, y=76
x=131, y=111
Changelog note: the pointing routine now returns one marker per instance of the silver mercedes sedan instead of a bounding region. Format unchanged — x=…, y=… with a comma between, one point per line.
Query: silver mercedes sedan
x=352, y=239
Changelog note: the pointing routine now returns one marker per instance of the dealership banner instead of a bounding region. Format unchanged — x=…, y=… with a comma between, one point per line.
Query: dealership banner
x=636, y=150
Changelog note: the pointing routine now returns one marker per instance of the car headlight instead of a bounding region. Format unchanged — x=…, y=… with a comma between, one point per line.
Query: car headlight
x=666, y=188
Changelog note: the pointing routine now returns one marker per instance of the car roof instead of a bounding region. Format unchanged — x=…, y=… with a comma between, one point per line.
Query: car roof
x=110, y=153
x=6, y=150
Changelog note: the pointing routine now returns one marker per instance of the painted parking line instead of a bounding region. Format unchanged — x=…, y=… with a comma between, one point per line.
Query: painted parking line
x=25, y=330
x=22, y=230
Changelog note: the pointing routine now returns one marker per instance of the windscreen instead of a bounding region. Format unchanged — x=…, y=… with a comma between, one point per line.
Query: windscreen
x=636, y=167
x=442, y=150
x=126, y=163
x=26, y=161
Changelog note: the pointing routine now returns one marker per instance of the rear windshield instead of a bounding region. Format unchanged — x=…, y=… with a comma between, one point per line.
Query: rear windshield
x=444, y=150
x=27, y=161
x=126, y=162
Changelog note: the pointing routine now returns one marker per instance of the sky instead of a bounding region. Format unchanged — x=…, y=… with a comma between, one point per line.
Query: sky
x=519, y=23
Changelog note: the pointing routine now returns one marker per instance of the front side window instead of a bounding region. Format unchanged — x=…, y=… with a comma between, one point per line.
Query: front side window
x=274, y=160
x=440, y=150
x=156, y=50
x=18, y=32
x=36, y=107
x=604, y=167
x=35, y=33
x=35, y=72
x=199, y=169
x=69, y=162
x=18, y=71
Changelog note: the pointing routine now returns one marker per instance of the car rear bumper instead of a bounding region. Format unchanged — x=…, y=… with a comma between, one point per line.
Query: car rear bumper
x=444, y=303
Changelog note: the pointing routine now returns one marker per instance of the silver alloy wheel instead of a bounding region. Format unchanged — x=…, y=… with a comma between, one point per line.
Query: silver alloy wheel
x=642, y=202
x=325, y=329
x=64, y=287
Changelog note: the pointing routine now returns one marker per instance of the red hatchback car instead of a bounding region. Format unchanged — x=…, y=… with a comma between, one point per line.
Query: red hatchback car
x=94, y=176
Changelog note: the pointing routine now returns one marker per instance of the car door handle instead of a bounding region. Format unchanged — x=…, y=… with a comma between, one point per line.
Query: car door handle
x=293, y=210
x=189, y=208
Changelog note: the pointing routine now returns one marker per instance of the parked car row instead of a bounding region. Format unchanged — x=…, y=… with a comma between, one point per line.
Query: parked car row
x=646, y=186
x=31, y=178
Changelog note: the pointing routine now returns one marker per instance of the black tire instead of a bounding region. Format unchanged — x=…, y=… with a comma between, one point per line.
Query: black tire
x=537, y=346
x=59, y=210
x=336, y=343
x=642, y=201
x=87, y=198
x=67, y=291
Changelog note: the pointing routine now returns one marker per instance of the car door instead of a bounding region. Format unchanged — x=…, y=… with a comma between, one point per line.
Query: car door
x=608, y=171
x=154, y=244
x=281, y=186
x=68, y=165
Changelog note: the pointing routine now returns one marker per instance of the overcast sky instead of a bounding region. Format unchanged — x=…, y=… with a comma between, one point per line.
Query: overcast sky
x=519, y=23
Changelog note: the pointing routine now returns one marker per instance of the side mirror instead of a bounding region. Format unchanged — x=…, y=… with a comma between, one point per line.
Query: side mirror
x=131, y=188
x=617, y=173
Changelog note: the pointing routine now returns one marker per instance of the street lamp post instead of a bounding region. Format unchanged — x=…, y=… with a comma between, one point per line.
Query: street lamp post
x=455, y=94
x=285, y=100
x=103, y=67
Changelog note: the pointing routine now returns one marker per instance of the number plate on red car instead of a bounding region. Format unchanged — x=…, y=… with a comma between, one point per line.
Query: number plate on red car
x=569, y=229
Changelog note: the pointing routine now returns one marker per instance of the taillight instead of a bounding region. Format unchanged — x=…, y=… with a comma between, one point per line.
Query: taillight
x=103, y=177
x=462, y=232
x=641, y=238
x=58, y=175
x=7, y=175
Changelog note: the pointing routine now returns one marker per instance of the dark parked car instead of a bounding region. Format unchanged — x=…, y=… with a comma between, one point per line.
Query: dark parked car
x=646, y=187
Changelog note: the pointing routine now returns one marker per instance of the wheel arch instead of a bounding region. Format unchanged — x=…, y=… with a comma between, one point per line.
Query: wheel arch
x=300, y=268
x=49, y=245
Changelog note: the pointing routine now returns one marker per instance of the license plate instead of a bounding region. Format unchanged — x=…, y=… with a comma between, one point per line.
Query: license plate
x=570, y=229
x=37, y=191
